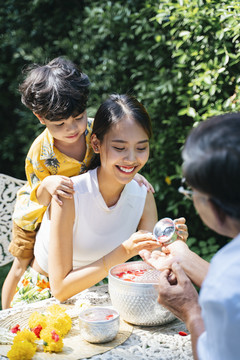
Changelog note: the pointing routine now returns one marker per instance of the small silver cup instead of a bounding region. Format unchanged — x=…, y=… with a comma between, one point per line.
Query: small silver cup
x=165, y=231
x=99, y=324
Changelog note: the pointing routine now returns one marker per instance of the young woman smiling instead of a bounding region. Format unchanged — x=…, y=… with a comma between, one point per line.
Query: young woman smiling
x=111, y=218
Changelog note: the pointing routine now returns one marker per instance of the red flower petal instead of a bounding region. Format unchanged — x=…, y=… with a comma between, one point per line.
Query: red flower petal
x=15, y=329
x=37, y=330
x=55, y=336
x=109, y=317
x=183, y=333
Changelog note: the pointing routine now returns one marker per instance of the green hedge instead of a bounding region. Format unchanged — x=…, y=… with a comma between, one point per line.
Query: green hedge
x=180, y=58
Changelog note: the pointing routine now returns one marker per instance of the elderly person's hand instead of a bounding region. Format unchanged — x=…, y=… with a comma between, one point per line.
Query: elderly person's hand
x=175, y=252
x=180, y=298
x=161, y=260
x=194, y=266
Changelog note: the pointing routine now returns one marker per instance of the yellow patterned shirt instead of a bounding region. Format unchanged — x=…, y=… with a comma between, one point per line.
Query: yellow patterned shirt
x=44, y=159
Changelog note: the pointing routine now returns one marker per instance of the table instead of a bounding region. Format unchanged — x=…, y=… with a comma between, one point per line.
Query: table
x=157, y=342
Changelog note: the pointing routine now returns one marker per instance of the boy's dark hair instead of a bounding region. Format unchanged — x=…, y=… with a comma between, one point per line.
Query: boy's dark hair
x=56, y=90
x=211, y=161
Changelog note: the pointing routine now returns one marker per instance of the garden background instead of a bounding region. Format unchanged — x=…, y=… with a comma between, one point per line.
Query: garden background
x=179, y=58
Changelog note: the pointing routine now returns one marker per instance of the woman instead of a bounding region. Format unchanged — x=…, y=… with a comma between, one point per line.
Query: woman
x=81, y=240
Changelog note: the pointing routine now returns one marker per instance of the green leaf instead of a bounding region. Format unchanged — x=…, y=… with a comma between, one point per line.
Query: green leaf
x=184, y=33
x=226, y=59
x=183, y=111
x=191, y=112
x=207, y=79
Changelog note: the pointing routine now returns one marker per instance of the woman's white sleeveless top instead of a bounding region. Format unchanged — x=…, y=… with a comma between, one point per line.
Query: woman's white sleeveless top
x=97, y=229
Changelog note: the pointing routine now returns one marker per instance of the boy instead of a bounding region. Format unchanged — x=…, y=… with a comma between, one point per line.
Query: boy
x=57, y=94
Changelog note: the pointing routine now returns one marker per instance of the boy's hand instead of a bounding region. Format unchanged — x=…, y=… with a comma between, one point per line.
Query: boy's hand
x=59, y=186
x=141, y=180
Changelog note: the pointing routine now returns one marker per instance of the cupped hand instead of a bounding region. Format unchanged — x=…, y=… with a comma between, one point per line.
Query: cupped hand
x=138, y=241
x=164, y=258
x=157, y=259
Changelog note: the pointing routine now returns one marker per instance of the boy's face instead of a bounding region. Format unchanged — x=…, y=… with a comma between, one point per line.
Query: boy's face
x=66, y=130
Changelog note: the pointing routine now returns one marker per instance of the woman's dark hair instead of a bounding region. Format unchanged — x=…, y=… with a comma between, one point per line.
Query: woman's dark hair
x=113, y=110
x=211, y=161
x=56, y=90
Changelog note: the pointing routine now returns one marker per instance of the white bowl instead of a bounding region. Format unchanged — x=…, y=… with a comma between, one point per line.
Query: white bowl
x=137, y=301
x=99, y=324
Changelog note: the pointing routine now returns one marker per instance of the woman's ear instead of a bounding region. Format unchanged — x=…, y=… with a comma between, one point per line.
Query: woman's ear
x=95, y=143
x=40, y=118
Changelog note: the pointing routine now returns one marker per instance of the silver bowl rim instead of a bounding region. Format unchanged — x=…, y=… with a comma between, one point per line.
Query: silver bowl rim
x=99, y=321
x=111, y=276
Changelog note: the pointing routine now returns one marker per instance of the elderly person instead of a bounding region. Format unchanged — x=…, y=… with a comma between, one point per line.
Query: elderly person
x=211, y=167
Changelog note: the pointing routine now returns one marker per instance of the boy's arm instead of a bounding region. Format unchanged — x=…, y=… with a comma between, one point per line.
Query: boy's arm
x=54, y=186
x=44, y=185
x=35, y=171
x=9, y=286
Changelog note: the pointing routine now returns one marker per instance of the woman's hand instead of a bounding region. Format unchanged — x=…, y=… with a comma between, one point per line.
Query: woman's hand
x=181, y=229
x=138, y=241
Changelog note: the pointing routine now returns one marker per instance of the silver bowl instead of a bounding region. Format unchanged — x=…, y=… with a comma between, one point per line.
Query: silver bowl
x=137, y=301
x=99, y=324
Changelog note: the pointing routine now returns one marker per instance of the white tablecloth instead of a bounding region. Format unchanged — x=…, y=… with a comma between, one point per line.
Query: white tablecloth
x=158, y=342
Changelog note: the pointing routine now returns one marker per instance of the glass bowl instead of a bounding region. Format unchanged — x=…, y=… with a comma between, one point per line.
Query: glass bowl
x=133, y=289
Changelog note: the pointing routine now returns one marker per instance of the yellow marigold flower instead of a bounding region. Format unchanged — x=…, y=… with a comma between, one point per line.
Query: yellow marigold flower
x=52, y=340
x=21, y=350
x=56, y=309
x=36, y=319
x=168, y=180
x=61, y=321
x=27, y=335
